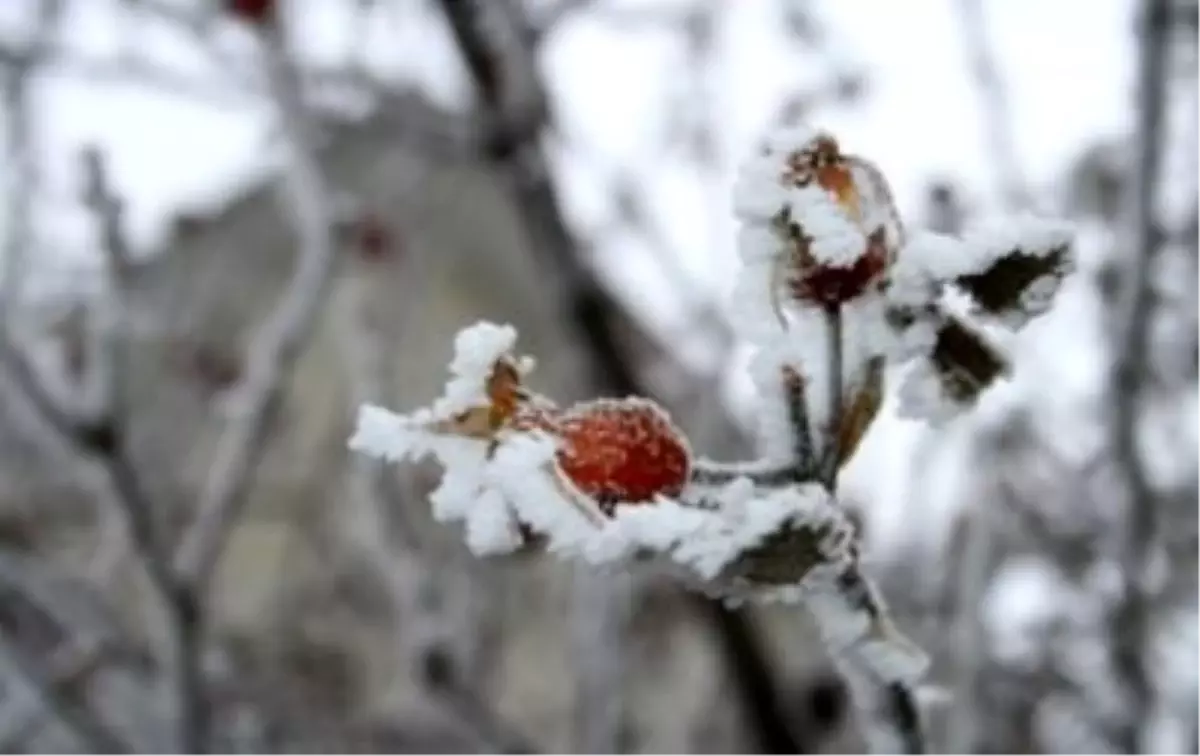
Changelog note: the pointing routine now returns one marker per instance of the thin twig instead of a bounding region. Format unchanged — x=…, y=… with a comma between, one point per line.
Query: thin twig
x=797, y=396
x=835, y=348
x=889, y=707
x=997, y=116
x=974, y=569
x=17, y=67
x=177, y=601
x=1129, y=622
x=42, y=685
x=746, y=657
x=277, y=346
x=104, y=438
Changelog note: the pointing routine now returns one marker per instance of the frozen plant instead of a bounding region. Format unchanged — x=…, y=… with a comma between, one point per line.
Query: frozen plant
x=831, y=292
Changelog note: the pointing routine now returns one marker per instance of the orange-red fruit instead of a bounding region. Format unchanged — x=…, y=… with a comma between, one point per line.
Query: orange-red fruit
x=617, y=451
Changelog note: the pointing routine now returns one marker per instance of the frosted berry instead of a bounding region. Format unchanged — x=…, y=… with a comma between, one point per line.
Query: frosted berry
x=621, y=452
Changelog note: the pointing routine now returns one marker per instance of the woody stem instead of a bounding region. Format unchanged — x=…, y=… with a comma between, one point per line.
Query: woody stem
x=834, y=346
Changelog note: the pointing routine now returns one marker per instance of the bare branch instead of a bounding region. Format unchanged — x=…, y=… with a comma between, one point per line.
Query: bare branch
x=177, y=600
x=99, y=439
x=1129, y=622
x=281, y=340
x=44, y=687
x=17, y=68
x=104, y=438
x=831, y=454
x=967, y=630
x=600, y=603
x=41, y=685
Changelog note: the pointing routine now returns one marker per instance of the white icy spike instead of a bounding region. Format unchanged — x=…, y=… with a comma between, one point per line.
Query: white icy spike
x=476, y=349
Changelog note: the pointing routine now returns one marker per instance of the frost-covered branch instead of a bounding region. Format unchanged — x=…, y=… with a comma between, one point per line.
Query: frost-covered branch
x=102, y=436
x=1129, y=623
x=176, y=600
x=829, y=293
x=279, y=344
x=24, y=676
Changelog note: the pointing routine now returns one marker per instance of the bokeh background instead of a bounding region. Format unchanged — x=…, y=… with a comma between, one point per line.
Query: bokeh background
x=226, y=224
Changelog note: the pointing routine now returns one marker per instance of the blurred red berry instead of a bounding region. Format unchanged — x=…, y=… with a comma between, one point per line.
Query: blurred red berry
x=374, y=238
x=256, y=11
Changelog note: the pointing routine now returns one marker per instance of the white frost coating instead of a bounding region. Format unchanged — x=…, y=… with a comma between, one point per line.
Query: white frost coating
x=392, y=437
x=476, y=350
x=836, y=240
x=776, y=438
x=464, y=492
x=758, y=242
x=383, y=434
x=792, y=138
x=722, y=537
x=864, y=331
x=519, y=483
x=703, y=541
x=803, y=348
x=461, y=484
x=922, y=397
x=523, y=469
x=1035, y=236
x=1034, y=301
x=491, y=528
x=929, y=256
x=869, y=641
x=944, y=257
x=750, y=310
x=502, y=485
x=914, y=341
x=759, y=192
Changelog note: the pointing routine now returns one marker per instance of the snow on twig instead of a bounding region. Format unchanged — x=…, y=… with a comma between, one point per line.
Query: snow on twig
x=831, y=291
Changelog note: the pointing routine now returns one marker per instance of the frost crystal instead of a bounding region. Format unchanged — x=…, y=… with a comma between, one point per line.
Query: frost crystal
x=836, y=239
x=476, y=350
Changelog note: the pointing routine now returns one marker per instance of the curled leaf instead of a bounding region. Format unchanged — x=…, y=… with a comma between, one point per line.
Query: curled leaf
x=1018, y=284
x=863, y=401
x=960, y=367
x=966, y=362
x=786, y=556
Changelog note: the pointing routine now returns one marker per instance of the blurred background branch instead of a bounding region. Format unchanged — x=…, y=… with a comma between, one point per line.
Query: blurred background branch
x=285, y=209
